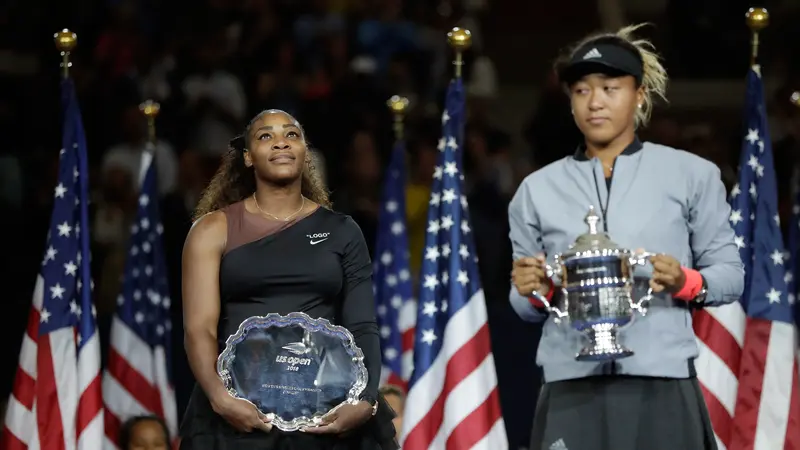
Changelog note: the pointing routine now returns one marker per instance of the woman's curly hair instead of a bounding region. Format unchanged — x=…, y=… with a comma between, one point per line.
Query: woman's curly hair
x=234, y=181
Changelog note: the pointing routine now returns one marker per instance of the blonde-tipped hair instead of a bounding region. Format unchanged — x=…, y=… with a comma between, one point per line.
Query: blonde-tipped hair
x=654, y=78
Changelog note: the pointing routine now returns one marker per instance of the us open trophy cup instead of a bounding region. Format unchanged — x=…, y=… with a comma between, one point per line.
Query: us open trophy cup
x=596, y=291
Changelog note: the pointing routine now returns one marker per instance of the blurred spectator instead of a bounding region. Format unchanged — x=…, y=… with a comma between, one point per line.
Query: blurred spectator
x=115, y=207
x=118, y=47
x=385, y=33
x=551, y=132
x=313, y=26
x=423, y=155
x=144, y=433
x=278, y=88
x=483, y=79
x=396, y=398
x=400, y=78
x=127, y=155
x=360, y=197
x=216, y=103
x=152, y=74
x=110, y=229
x=10, y=181
x=702, y=140
x=787, y=150
x=664, y=130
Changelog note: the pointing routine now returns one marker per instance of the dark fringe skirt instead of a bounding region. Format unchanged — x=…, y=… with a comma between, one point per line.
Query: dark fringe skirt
x=622, y=413
x=203, y=429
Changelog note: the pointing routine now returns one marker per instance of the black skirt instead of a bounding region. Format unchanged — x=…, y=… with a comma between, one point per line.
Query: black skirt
x=622, y=413
x=203, y=429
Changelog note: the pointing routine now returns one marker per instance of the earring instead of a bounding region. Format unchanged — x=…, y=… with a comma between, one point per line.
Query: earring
x=640, y=106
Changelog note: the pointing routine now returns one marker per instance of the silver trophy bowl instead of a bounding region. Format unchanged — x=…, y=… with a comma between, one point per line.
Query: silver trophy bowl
x=596, y=287
x=294, y=369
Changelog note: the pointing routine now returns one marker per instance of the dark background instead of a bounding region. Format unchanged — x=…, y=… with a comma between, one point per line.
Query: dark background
x=213, y=64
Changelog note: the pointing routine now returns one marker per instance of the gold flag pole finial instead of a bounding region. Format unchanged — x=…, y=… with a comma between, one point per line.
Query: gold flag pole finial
x=757, y=19
x=795, y=98
x=398, y=105
x=65, y=42
x=150, y=109
x=461, y=40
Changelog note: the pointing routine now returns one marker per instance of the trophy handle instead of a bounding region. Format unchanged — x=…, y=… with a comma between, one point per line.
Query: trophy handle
x=641, y=259
x=549, y=307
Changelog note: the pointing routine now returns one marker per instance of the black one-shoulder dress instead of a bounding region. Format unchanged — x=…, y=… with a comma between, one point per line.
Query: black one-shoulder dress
x=318, y=265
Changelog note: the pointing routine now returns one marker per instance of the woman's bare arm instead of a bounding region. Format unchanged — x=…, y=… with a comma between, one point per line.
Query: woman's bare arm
x=202, y=253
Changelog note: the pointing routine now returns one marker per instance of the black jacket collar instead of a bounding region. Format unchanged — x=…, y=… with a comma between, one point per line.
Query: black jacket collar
x=635, y=146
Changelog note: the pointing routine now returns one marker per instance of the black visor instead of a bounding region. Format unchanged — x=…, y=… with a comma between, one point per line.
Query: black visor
x=606, y=58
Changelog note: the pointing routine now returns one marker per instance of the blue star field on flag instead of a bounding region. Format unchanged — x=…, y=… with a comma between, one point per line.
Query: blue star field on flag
x=449, y=268
x=66, y=275
x=392, y=281
x=754, y=216
x=144, y=304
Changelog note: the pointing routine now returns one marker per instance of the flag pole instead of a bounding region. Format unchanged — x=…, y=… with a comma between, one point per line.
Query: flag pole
x=757, y=19
x=150, y=109
x=460, y=39
x=451, y=300
x=65, y=42
x=398, y=105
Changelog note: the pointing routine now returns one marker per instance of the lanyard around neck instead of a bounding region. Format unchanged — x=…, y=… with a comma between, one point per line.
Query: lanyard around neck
x=603, y=205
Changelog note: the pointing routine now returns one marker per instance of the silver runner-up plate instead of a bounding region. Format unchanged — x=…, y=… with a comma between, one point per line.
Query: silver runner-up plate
x=295, y=369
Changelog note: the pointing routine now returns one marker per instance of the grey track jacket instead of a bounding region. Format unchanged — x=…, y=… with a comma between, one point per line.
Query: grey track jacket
x=662, y=200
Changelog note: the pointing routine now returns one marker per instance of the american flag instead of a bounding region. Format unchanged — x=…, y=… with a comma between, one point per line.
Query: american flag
x=396, y=306
x=453, y=400
x=57, y=401
x=138, y=377
x=747, y=365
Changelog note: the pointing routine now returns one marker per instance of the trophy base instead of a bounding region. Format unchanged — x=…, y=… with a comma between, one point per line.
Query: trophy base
x=603, y=345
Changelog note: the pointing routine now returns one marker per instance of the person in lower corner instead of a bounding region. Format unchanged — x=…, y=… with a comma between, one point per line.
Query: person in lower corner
x=396, y=397
x=648, y=196
x=144, y=433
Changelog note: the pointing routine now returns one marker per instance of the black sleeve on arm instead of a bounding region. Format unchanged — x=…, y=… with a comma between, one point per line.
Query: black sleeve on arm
x=358, y=306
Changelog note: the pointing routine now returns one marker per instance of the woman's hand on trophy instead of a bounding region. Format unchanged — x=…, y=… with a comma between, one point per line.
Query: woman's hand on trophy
x=668, y=274
x=529, y=275
x=346, y=418
x=242, y=415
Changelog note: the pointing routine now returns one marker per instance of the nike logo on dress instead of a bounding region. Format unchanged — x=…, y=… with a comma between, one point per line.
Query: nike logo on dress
x=317, y=242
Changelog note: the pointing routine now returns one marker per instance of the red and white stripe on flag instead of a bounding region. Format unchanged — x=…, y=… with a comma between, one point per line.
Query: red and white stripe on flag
x=405, y=324
x=456, y=404
x=748, y=371
x=135, y=382
x=56, y=402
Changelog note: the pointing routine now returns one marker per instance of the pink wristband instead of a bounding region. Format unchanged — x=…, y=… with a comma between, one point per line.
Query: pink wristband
x=692, y=286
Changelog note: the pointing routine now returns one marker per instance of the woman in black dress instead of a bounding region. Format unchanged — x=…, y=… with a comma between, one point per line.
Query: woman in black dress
x=266, y=241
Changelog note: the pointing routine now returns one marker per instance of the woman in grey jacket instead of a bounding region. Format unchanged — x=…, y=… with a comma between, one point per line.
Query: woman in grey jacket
x=649, y=196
